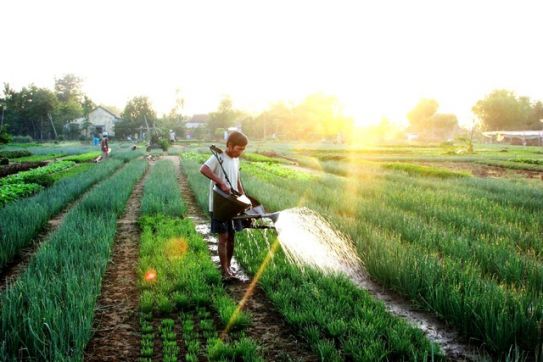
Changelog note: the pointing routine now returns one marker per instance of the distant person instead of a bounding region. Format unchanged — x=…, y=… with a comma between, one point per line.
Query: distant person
x=104, y=146
x=235, y=146
x=172, y=136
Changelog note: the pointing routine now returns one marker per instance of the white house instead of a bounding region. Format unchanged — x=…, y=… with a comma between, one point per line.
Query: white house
x=101, y=120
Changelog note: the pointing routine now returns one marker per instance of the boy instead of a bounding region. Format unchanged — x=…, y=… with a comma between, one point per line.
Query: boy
x=235, y=145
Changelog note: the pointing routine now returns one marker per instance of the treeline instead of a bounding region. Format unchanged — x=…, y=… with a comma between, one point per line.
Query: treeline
x=47, y=114
x=42, y=113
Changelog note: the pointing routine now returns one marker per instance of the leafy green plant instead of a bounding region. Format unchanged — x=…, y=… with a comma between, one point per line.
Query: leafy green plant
x=28, y=176
x=13, y=192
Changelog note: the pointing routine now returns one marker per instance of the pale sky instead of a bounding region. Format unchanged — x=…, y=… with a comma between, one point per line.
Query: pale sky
x=378, y=57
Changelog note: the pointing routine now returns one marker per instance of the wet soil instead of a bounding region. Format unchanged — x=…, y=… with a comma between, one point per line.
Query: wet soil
x=268, y=328
x=116, y=321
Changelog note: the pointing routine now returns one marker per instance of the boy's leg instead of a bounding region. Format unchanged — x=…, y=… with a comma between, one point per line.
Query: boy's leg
x=223, y=253
x=230, y=249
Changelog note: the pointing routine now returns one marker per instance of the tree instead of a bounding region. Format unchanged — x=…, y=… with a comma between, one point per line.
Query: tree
x=136, y=111
x=443, y=125
x=224, y=117
x=68, y=88
x=420, y=116
x=503, y=110
x=536, y=116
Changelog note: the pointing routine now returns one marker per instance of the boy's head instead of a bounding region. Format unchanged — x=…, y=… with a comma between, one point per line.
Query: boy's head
x=236, y=143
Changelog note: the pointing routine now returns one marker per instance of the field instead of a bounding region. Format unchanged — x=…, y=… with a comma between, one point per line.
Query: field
x=112, y=261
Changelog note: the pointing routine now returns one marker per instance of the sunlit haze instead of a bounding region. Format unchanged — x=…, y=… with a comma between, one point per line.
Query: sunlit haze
x=378, y=57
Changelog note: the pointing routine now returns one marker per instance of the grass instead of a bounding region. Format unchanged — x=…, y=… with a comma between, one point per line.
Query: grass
x=419, y=170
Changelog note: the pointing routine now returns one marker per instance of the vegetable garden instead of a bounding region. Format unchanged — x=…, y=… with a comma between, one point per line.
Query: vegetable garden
x=463, y=248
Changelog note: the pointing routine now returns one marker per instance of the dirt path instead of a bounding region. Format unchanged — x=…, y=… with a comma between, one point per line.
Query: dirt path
x=116, y=322
x=267, y=327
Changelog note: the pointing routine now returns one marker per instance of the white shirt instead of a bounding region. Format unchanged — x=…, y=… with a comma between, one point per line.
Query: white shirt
x=231, y=167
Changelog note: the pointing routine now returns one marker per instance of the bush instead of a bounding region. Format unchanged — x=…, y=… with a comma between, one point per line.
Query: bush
x=45, y=180
x=5, y=137
x=4, y=161
x=15, y=154
x=22, y=139
x=164, y=144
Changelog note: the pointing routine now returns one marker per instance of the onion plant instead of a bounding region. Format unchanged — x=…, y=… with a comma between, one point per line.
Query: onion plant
x=47, y=313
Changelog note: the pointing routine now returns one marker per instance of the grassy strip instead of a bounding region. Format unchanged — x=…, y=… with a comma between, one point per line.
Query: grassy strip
x=161, y=191
x=332, y=314
x=25, y=176
x=85, y=157
x=9, y=193
x=20, y=221
x=76, y=170
x=47, y=314
x=524, y=164
x=419, y=170
x=126, y=155
x=35, y=158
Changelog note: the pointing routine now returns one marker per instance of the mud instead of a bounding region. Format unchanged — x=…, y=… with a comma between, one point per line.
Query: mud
x=278, y=341
x=116, y=321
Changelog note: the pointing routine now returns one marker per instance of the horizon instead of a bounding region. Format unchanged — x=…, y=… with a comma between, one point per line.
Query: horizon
x=379, y=60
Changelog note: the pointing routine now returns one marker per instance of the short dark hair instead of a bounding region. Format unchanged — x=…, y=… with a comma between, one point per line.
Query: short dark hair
x=237, y=138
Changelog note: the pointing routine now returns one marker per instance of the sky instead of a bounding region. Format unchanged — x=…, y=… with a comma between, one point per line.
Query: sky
x=378, y=57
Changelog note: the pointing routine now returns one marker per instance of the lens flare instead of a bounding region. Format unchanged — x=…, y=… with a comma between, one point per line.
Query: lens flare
x=150, y=275
x=176, y=248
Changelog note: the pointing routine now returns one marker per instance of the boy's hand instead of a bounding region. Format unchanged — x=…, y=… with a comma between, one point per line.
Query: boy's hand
x=224, y=187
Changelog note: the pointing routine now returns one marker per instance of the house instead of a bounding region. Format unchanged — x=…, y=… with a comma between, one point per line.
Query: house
x=197, y=121
x=195, y=126
x=100, y=120
x=534, y=138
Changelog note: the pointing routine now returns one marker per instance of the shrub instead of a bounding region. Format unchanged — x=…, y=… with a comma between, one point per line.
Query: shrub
x=15, y=154
x=22, y=139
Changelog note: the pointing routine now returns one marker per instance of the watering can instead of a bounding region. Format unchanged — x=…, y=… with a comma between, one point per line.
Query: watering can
x=240, y=207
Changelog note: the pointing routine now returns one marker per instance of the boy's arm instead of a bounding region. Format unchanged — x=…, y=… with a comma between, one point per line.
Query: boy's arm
x=240, y=187
x=206, y=171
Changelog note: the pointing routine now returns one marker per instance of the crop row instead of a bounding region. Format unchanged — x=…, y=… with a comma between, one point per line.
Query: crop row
x=21, y=220
x=333, y=315
x=412, y=240
x=85, y=157
x=28, y=176
x=47, y=313
x=13, y=192
x=161, y=191
x=179, y=284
